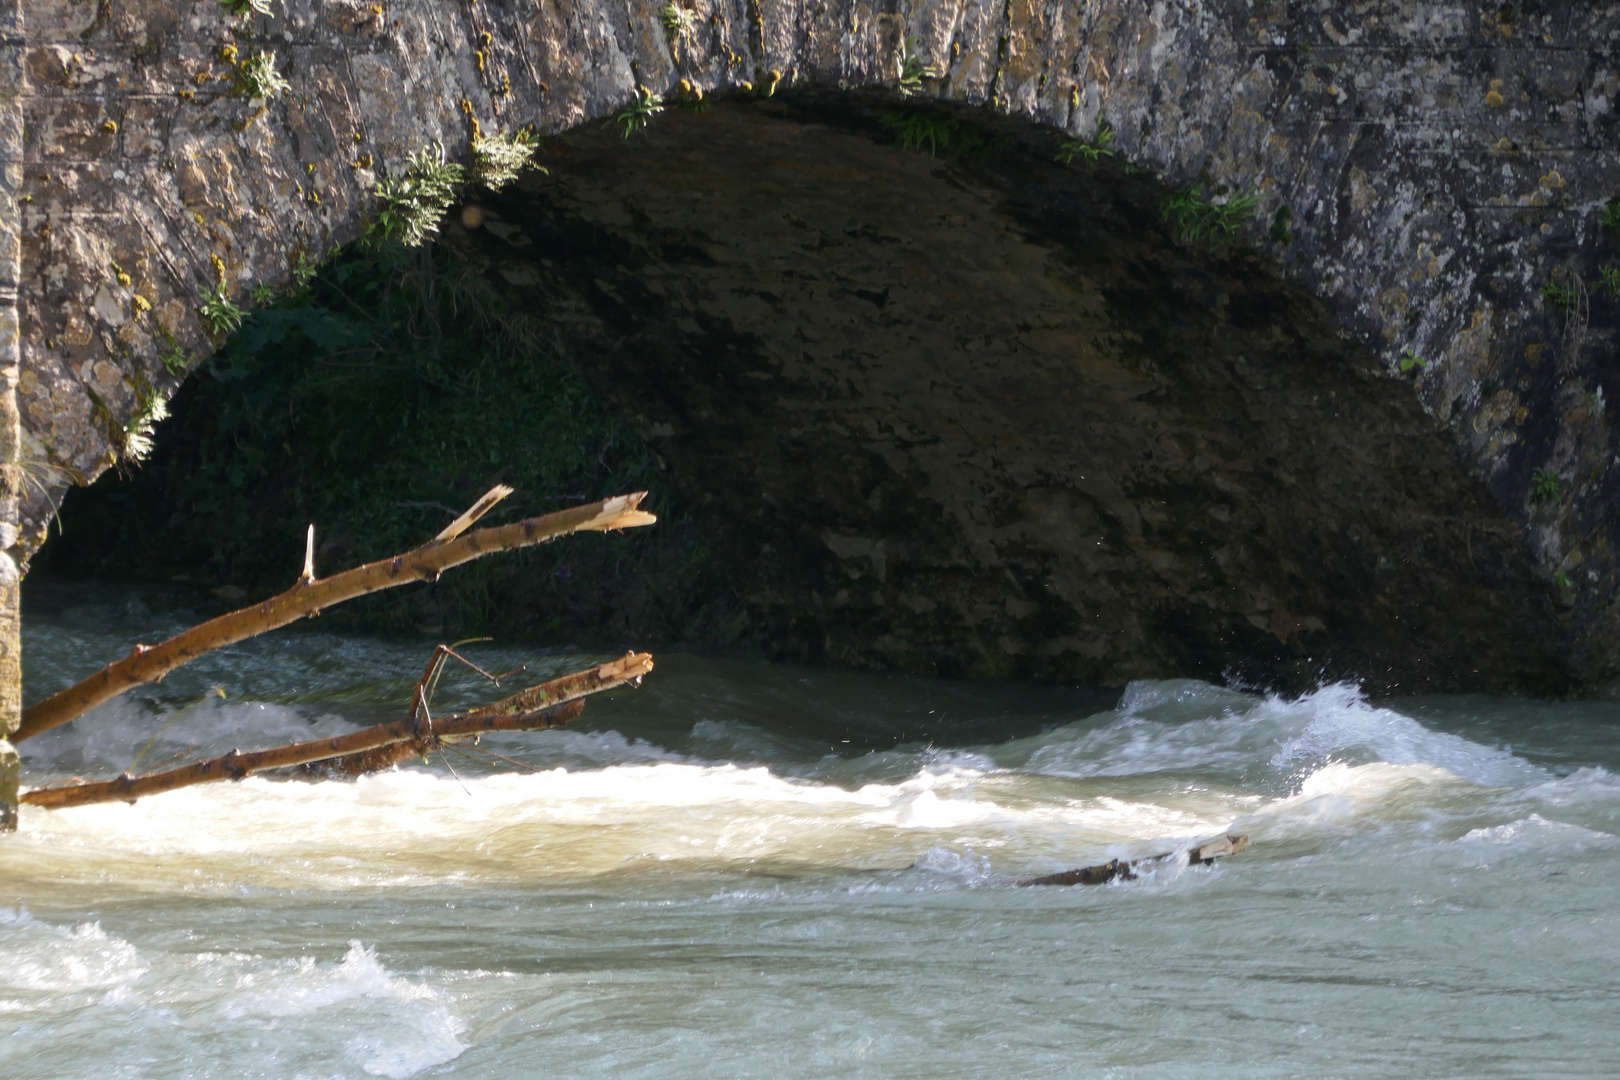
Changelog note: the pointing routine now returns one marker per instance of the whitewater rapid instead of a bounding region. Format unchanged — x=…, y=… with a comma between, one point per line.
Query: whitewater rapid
x=746, y=869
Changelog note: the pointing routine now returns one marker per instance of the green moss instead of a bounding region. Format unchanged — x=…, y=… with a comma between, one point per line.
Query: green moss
x=377, y=403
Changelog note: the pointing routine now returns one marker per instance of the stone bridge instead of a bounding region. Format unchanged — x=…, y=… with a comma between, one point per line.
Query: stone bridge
x=1032, y=427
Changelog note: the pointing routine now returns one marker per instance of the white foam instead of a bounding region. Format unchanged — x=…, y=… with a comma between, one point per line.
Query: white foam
x=414, y=1032
x=56, y=960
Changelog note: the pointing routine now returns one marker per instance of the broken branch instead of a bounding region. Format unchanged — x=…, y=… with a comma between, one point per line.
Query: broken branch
x=542, y=706
x=1101, y=874
x=309, y=597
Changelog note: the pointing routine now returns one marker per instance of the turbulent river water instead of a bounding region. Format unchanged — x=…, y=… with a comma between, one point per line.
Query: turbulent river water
x=745, y=869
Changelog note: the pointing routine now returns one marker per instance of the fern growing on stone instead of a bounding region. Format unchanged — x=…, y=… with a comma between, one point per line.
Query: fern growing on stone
x=412, y=205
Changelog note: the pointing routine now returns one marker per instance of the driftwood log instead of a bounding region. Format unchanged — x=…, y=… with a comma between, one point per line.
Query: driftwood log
x=546, y=705
x=310, y=596
x=1103, y=873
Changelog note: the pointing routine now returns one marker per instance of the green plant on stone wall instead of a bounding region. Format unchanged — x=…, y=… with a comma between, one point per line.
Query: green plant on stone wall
x=131, y=440
x=1411, y=360
x=500, y=159
x=242, y=8
x=912, y=69
x=303, y=271
x=173, y=359
x=1559, y=296
x=220, y=312
x=1611, y=279
x=150, y=410
x=1611, y=215
x=940, y=134
x=1544, y=485
x=1096, y=148
x=257, y=77
x=1279, y=232
x=639, y=113
x=412, y=205
x=680, y=24
x=1201, y=219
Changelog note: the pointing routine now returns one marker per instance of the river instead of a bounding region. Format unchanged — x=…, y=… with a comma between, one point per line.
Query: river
x=747, y=869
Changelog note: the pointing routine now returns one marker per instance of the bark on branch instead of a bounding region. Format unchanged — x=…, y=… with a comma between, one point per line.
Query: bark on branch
x=310, y=596
x=547, y=705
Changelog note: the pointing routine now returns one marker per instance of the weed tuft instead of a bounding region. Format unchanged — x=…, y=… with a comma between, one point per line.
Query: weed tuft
x=1611, y=279
x=1558, y=296
x=243, y=8
x=220, y=312
x=1611, y=215
x=680, y=24
x=412, y=205
x=1201, y=219
x=1098, y=147
x=1279, y=232
x=1411, y=361
x=173, y=358
x=257, y=77
x=939, y=134
x=639, y=113
x=500, y=159
x=1544, y=485
x=912, y=69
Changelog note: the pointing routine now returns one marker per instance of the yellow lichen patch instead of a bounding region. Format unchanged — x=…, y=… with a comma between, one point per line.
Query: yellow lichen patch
x=1493, y=97
x=142, y=304
x=1532, y=353
x=1552, y=181
x=110, y=126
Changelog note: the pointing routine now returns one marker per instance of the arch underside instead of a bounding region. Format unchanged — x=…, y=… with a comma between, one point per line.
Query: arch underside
x=990, y=417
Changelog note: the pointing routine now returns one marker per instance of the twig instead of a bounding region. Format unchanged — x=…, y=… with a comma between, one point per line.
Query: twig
x=149, y=663
x=535, y=707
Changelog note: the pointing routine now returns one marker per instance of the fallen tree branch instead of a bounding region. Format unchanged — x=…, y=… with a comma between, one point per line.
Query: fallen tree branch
x=1101, y=874
x=542, y=706
x=309, y=597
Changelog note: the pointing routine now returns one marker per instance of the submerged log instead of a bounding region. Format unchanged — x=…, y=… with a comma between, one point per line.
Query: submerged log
x=537, y=707
x=310, y=596
x=1204, y=854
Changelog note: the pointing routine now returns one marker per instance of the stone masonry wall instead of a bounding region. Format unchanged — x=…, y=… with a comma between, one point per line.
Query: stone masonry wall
x=1442, y=162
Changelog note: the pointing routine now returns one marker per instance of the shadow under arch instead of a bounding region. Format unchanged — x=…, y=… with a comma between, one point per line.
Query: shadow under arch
x=985, y=414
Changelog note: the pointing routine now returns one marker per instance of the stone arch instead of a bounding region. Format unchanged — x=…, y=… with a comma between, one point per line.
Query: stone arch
x=1440, y=164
